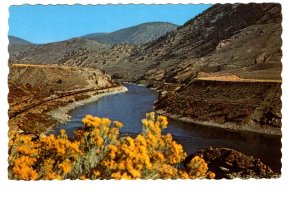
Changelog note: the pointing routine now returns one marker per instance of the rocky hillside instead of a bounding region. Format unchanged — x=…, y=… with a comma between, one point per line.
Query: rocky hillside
x=221, y=68
x=36, y=89
x=74, y=52
x=240, y=39
x=139, y=34
x=97, y=50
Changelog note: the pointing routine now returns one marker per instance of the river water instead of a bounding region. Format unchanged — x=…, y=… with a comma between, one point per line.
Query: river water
x=130, y=107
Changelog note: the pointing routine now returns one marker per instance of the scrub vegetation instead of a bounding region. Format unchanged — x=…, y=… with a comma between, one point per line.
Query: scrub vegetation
x=98, y=152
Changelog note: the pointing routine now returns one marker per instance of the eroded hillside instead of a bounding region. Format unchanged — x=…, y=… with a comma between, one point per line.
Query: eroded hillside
x=240, y=39
x=74, y=52
x=34, y=90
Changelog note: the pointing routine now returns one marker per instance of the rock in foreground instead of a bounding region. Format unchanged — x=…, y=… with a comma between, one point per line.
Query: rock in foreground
x=229, y=164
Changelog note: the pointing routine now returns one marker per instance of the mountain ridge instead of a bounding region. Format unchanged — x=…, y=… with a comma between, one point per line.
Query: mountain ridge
x=13, y=40
x=75, y=52
x=108, y=37
x=208, y=43
x=138, y=34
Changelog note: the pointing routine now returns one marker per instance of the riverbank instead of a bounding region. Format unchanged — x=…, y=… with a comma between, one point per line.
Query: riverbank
x=42, y=118
x=244, y=128
x=61, y=114
x=241, y=129
x=234, y=105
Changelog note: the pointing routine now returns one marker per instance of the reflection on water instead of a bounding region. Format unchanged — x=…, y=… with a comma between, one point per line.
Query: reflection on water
x=265, y=147
x=130, y=107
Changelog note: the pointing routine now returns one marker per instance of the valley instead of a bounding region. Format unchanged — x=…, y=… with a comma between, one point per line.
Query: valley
x=220, y=70
x=241, y=56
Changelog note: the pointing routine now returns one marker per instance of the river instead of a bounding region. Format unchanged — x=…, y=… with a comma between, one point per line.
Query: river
x=130, y=107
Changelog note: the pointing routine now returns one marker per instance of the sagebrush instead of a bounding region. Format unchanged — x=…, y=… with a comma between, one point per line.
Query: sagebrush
x=98, y=152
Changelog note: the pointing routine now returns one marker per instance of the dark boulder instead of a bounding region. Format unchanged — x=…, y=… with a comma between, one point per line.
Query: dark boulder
x=228, y=163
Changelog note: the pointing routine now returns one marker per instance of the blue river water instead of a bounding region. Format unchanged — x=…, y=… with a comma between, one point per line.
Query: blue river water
x=130, y=108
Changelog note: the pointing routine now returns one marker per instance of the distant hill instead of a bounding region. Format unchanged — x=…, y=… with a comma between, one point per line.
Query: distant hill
x=139, y=34
x=17, y=41
x=77, y=52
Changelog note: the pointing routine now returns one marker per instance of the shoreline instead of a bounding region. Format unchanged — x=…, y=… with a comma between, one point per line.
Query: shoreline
x=242, y=129
x=231, y=127
x=61, y=114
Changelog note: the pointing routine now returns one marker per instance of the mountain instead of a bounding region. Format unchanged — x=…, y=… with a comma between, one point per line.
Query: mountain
x=243, y=39
x=17, y=41
x=76, y=52
x=240, y=39
x=139, y=34
x=93, y=36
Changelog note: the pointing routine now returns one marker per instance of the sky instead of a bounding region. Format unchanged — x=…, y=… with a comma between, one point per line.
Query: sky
x=44, y=24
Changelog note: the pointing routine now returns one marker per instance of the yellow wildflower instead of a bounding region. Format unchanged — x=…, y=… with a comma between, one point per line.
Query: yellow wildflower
x=118, y=124
x=125, y=176
x=145, y=122
x=52, y=176
x=96, y=173
x=151, y=116
x=211, y=175
x=134, y=173
x=122, y=165
x=23, y=168
x=66, y=166
x=63, y=134
x=116, y=175
x=198, y=168
x=163, y=121
x=99, y=141
x=106, y=121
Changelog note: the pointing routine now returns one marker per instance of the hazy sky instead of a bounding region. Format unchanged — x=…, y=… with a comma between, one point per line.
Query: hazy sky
x=42, y=24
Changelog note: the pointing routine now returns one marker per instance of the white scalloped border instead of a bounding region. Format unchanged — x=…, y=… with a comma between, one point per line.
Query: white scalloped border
x=237, y=189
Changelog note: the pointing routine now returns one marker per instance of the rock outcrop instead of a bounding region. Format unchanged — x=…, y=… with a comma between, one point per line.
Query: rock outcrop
x=228, y=163
x=34, y=90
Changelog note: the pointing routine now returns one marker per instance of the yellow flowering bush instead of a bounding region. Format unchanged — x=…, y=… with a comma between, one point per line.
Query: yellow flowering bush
x=97, y=151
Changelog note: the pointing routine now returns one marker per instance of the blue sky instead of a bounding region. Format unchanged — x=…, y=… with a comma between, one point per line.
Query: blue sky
x=43, y=24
